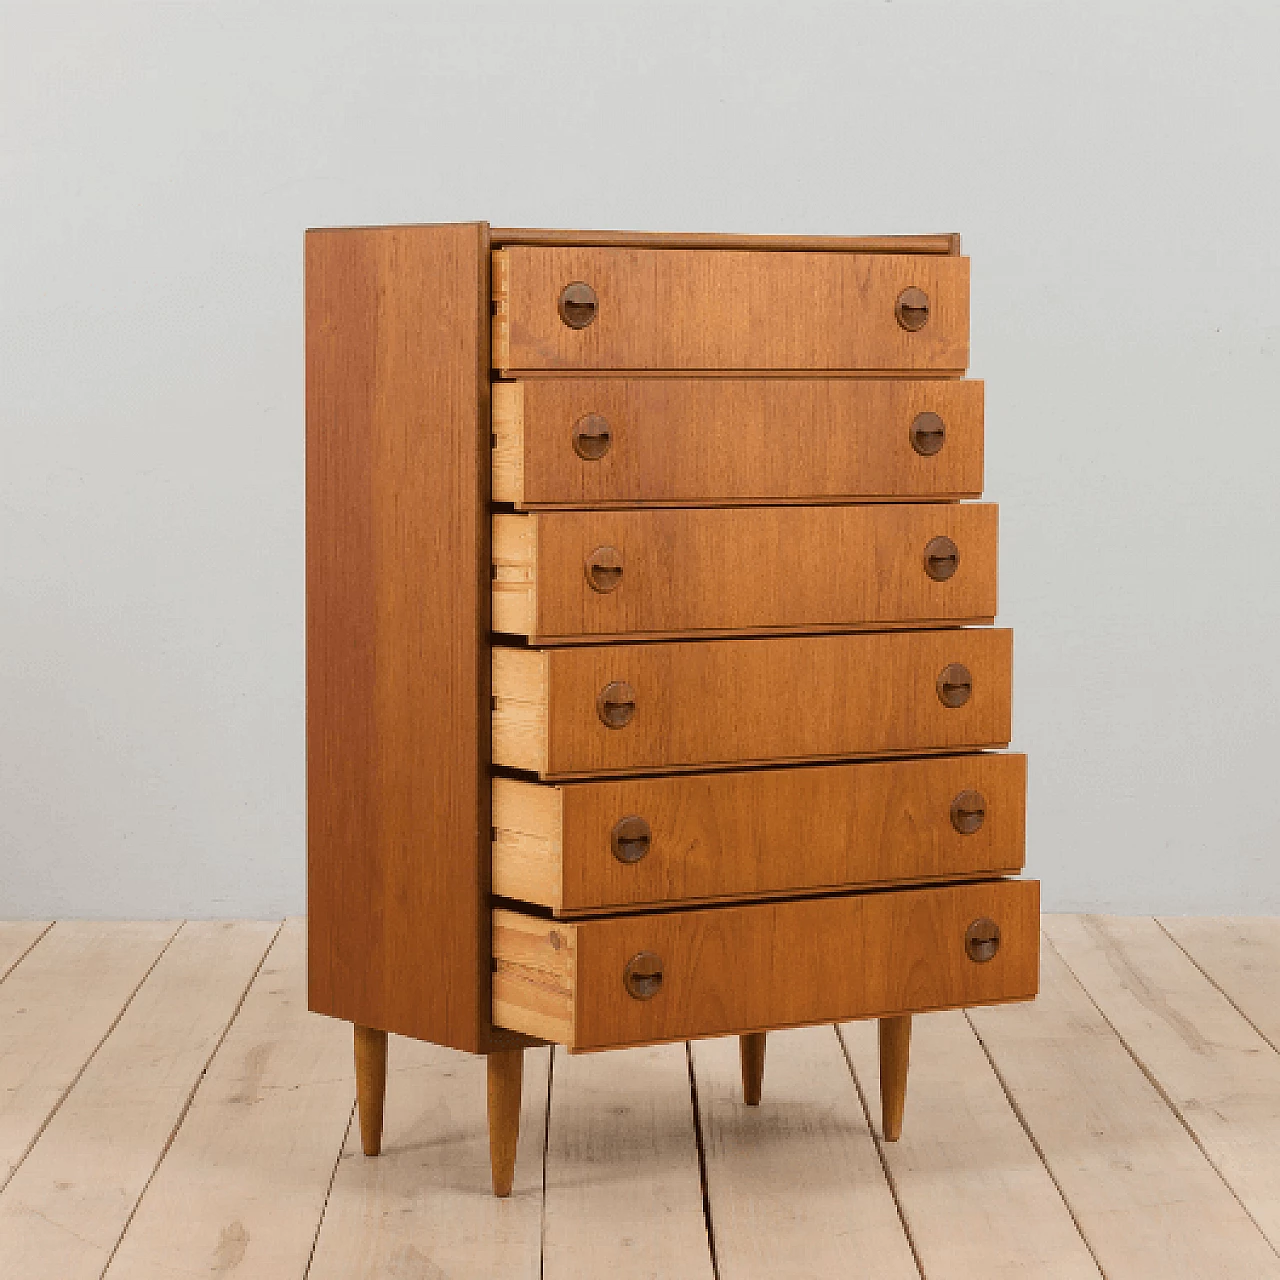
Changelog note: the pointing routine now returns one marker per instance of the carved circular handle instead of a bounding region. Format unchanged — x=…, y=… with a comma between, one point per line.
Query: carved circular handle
x=616, y=704
x=630, y=838
x=643, y=976
x=928, y=434
x=591, y=437
x=968, y=812
x=982, y=940
x=941, y=559
x=955, y=685
x=912, y=309
x=604, y=569
x=578, y=305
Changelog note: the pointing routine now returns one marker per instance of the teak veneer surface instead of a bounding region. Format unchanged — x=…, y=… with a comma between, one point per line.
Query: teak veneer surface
x=724, y=440
x=737, y=969
x=735, y=569
x=755, y=833
x=397, y=619
x=948, y=242
x=725, y=702
x=728, y=309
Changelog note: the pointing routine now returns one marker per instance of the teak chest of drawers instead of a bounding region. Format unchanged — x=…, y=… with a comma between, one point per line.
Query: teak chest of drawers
x=651, y=680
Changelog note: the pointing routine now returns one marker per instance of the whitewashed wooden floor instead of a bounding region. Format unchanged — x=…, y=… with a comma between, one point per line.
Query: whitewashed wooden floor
x=168, y=1108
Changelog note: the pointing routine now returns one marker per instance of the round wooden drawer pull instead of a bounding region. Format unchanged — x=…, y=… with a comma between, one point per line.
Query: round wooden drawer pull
x=982, y=940
x=630, y=838
x=578, y=305
x=591, y=437
x=912, y=309
x=968, y=812
x=604, y=569
x=941, y=559
x=616, y=704
x=955, y=685
x=928, y=434
x=643, y=976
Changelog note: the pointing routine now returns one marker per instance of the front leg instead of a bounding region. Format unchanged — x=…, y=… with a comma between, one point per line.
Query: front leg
x=895, y=1051
x=506, y=1070
x=371, y=1085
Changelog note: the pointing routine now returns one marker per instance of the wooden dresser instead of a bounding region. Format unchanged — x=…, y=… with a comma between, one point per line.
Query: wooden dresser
x=651, y=680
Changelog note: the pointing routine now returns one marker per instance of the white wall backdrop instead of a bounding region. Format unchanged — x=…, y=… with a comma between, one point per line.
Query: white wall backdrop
x=1112, y=167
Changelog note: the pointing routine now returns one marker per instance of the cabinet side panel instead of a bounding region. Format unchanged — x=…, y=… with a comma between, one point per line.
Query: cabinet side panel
x=397, y=629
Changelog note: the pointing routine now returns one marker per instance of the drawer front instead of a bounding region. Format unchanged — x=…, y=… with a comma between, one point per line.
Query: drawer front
x=728, y=309
x=718, y=971
x=574, y=575
x=723, y=702
x=595, y=441
x=621, y=844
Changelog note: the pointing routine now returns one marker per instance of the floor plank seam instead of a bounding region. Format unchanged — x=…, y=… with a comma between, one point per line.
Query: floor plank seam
x=328, y=1191
x=1164, y=1096
x=878, y=1143
x=34, y=943
x=186, y=1106
x=1035, y=1144
x=702, y=1161
x=546, y=1148
x=84, y=1066
x=1217, y=986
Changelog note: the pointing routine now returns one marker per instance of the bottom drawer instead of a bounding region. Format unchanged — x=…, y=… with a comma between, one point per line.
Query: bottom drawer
x=677, y=975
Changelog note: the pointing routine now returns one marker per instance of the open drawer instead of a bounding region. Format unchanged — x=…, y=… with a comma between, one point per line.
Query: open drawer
x=640, y=979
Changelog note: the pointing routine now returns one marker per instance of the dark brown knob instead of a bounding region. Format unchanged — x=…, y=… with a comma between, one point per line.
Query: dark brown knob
x=912, y=309
x=955, y=685
x=578, y=305
x=982, y=940
x=630, y=838
x=616, y=704
x=968, y=812
x=941, y=559
x=591, y=437
x=643, y=976
x=928, y=434
x=604, y=569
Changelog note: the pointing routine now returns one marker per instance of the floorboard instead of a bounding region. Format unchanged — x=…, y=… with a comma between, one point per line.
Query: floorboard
x=795, y=1185
x=64, y=1210
x=624, y=1194
x=1212, y=1067
x=17, y=937
x=1147, y=1201
x=976, y=1198
x=56, y=1007
x=243, y=1185
x=423, y=1207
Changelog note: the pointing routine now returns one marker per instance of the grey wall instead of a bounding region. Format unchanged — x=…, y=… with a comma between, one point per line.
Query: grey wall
x=1112, y=167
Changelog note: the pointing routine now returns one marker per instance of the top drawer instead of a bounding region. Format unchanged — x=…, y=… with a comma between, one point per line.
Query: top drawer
x=712, y=309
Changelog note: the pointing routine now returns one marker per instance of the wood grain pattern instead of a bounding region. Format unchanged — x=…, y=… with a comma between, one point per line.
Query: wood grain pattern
x=794, y=1187
x=727, y=702
x=756, y=833
x=946, y=243
x=972, y=1191
x=741, y=570
x=1141, y=1191
x=720, y=440
x=65, y=1209
x=727, y=309
x=397, y=614
x=738, y=969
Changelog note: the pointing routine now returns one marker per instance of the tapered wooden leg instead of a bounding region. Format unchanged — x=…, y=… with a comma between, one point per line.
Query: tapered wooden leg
x=751, y=1051
x=895, y=1051
x=506, y=1068
x=371, y=1085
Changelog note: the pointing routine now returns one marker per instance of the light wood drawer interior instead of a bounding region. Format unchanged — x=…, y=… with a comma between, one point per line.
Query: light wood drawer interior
x=713, y=309
x=724, y=702
x=627, y=843
x=571, y=575
x=640, y=979
x=574, y=441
